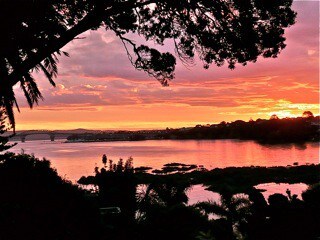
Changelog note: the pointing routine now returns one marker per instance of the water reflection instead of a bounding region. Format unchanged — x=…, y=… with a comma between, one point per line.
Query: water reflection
x=73, y=160
x=272, y=188
x=198, y=193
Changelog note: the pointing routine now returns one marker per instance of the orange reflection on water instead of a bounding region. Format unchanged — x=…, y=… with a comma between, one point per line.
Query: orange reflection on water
x=73, y=160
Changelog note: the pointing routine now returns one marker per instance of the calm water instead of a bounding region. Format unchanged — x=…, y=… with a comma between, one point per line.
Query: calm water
x=198, y=193
x=272, y=188
x=73, y=160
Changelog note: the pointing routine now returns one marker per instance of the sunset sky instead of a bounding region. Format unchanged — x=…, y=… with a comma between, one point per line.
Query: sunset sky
x=97, y=88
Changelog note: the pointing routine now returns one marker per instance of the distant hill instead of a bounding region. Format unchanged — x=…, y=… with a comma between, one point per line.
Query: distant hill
x=274, y=130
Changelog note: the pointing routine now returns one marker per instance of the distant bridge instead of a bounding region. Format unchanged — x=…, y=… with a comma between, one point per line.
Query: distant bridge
x=52, y=134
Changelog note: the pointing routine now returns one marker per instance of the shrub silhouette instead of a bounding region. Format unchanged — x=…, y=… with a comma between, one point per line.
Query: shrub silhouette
x=37, y=204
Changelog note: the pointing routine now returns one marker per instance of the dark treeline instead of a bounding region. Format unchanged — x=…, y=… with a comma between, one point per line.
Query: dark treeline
x=37, y=204
x=274, y=130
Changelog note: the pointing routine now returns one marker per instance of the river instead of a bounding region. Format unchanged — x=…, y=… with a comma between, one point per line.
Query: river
x=73, y=160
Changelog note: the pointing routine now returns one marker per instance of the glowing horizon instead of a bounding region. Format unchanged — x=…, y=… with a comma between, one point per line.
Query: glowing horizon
x=142, y=125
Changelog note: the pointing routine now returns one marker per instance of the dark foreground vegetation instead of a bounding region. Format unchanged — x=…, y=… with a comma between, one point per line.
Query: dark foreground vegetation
x=132, y=204
x=36, y=203
x=272, y=131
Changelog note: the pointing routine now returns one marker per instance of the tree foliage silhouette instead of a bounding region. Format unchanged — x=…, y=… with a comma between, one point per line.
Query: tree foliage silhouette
x=307, y=114
x=3, y=129
x=36, y=203
x=231, y=32
x=234, y=209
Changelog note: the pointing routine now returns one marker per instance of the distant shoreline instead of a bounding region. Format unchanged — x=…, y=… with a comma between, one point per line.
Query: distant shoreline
x=273, y=131
x=190, y=139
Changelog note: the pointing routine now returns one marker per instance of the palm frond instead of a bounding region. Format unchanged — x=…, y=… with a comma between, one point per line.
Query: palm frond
x=240, y=201
x=66, y=54
x=48, y=75
x=51, y=65
x=8, y=105
x=211, y=207
x=16, y=104
x=31, y=90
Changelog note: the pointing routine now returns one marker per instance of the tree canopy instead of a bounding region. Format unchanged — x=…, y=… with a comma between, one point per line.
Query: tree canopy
x=218, y=32
x=307, y=114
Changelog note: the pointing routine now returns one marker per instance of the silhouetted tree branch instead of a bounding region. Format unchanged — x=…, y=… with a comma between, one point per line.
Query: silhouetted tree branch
x=218, y=32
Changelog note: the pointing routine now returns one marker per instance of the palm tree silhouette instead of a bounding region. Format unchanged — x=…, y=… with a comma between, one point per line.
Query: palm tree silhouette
x=28, y=85
x=234, y=209
x=161, y=194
